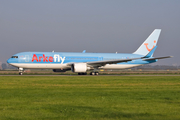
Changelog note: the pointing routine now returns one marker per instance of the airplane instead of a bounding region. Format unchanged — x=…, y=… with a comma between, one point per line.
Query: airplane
x=82, y=62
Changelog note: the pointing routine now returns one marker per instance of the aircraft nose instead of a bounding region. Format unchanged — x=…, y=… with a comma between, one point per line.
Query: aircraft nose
x=8, y=61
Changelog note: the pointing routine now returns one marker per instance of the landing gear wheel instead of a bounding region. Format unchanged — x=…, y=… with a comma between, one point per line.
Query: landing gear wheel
x=20, y=73
x=96, y=73
x=92, y=73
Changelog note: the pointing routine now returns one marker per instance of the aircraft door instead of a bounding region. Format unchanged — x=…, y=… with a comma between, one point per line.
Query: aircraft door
x=26, y=58
x=100, y=58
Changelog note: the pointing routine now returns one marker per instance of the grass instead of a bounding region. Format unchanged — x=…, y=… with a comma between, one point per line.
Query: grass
x=89, y=97
x=120, y=72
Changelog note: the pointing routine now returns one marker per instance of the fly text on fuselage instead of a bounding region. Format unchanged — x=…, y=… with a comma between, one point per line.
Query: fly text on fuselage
x=43, y=58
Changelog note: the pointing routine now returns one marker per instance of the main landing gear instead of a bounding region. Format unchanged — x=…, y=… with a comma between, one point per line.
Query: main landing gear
x=21, y=71
x=91, y=73
x=94, y=73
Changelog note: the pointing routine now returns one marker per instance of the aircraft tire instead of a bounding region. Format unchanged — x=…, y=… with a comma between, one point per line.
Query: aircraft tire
x=20, y=73
x=96, y=73
x=92, y=73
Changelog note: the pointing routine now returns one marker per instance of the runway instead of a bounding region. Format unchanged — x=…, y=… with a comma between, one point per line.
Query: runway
x=89, y=75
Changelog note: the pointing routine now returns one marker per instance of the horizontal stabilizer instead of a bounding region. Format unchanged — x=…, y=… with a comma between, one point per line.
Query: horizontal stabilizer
x=157, y=58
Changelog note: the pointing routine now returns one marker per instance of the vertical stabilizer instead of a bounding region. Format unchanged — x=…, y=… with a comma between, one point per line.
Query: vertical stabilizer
x=149, y=43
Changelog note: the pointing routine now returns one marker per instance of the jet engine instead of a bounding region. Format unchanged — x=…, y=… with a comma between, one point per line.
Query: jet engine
x=79, y=67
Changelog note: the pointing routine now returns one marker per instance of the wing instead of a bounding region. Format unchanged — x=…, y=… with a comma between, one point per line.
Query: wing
x=102, y=63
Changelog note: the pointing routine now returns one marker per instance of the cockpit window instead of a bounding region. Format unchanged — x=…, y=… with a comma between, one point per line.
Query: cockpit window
x=14, y=57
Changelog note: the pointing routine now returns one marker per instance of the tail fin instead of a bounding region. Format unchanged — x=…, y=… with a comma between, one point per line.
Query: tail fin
x=149, y=43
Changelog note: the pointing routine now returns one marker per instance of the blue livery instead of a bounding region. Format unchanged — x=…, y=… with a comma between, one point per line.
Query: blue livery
x=82, y=62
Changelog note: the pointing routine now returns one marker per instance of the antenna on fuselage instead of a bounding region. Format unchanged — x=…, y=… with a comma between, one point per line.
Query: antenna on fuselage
x=84, y=51
x=53, y=51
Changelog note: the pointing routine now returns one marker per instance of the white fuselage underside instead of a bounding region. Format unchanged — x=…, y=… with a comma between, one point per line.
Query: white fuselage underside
x=65, y=66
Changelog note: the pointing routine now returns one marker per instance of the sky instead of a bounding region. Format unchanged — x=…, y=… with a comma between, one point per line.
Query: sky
x=106, y=26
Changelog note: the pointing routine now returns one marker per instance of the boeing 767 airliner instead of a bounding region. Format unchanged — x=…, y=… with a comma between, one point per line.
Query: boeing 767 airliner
x=82, y=62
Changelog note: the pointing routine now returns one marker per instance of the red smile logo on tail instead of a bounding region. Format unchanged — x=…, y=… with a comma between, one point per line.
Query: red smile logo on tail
x=146, y=44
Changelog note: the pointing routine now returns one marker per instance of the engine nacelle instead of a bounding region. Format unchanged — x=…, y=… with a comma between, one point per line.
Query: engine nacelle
x=79, y=67
x=59, y=70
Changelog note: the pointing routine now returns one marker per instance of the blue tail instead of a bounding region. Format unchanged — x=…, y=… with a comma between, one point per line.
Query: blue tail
x=148, y=45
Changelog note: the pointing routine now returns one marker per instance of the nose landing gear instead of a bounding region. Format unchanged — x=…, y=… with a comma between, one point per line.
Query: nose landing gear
x=20, y=73
x=21, y=70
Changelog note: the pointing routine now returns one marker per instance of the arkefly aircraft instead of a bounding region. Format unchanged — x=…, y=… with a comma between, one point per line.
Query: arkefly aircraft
x=82, y=62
